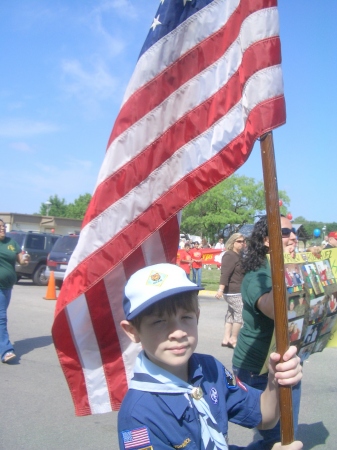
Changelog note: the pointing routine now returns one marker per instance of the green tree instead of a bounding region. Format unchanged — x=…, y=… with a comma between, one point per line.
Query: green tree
x=77, y=209
x=233, y=202
x=300, y=219
x=54, y=207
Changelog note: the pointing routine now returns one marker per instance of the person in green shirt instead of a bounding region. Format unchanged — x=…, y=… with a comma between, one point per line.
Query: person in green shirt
x=252, y=348
x=10, y=253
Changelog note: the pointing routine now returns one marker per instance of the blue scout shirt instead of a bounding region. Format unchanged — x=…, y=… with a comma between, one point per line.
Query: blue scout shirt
x=153, y=421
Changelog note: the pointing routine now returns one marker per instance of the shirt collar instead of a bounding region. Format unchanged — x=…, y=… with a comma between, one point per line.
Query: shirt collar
x=179, y=403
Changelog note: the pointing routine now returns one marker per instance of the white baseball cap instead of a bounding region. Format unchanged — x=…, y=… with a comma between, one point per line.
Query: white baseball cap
x=153, y=283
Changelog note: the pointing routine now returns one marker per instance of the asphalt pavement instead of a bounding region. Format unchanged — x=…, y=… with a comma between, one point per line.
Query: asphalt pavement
x=36, y=411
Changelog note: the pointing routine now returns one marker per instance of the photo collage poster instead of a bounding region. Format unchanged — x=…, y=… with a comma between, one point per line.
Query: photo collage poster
x=311, y=281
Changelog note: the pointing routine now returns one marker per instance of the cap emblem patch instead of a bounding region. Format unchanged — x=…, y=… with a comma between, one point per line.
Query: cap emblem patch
x=156, y=279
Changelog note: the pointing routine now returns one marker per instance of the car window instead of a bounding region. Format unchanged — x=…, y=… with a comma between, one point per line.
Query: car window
x=17, y=237
x=35, y=242
x=54, y=239
x=65, y=244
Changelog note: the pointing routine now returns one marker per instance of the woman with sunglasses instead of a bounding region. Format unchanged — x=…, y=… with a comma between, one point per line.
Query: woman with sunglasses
x=230, y=285
x=255, y=336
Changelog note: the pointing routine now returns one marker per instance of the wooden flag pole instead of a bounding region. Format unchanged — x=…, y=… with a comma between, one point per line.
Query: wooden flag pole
x=278, y=279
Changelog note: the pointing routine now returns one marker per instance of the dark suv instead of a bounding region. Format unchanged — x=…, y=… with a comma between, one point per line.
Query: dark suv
x=38, y=245
x=59, y=256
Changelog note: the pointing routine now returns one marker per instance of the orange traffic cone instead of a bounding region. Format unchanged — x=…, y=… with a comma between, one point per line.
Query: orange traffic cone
x=51, y=289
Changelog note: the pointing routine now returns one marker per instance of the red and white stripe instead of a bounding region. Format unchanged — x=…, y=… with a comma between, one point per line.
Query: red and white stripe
x=194, y=107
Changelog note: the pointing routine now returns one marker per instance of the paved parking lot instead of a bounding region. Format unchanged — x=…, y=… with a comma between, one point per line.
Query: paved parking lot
x=36, y=411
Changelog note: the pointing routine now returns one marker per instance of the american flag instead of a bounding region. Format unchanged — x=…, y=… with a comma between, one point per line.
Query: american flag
x=136, y=438
x=207, y=84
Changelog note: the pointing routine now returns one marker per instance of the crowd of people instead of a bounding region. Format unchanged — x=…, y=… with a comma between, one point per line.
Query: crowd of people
x=191, y=261
x=201, y=243
x=329, y=241
x=194, y=395
x=190, y=257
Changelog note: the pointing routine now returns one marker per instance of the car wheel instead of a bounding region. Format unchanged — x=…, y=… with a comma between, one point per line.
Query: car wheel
x=39, y=276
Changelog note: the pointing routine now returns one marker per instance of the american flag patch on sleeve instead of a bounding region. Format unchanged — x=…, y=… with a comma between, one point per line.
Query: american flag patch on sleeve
x=136, y=438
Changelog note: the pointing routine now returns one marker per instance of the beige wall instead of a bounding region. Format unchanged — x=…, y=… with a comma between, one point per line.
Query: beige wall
x=31, y=222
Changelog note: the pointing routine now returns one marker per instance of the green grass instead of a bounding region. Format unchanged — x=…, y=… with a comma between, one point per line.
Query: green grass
x=210, y=278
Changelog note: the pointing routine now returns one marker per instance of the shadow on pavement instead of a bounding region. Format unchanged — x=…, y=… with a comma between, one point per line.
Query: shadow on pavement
x=27, y=345
x=312, y=434
x=25, y=282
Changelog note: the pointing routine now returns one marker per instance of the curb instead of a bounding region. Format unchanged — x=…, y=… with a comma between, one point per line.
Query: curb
x=205, y=293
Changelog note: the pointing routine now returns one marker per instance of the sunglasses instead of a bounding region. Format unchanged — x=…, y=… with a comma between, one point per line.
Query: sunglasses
x=241, y=241
x=286, y=231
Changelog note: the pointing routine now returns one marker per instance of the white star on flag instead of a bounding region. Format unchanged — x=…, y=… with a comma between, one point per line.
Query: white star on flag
x=155, y=23
x=185, y=1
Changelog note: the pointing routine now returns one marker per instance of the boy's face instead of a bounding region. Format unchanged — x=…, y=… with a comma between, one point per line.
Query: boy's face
x=168, y=340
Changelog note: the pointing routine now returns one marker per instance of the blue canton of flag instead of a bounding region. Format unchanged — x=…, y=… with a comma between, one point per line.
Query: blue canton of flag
x=135, y=438
x=170, y=15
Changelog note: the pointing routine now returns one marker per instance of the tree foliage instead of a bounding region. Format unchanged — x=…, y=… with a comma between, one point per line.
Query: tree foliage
x=232, y=203
x=77, y=209
x=56, y=207
x=59, y=208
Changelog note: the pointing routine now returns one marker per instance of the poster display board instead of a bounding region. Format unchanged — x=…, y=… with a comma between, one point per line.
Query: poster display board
x=311, y=281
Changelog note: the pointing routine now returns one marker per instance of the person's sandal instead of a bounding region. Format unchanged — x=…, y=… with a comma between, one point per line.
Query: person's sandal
x=8, y=356
x=229, y=345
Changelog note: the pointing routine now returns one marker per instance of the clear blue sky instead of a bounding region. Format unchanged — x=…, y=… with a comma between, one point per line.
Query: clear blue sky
x=65, y=66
